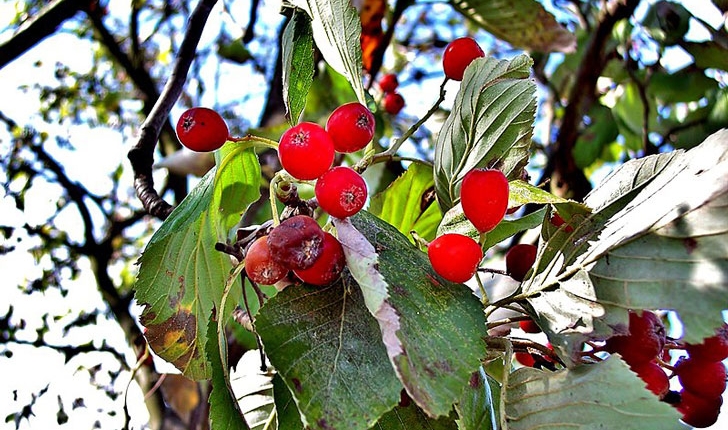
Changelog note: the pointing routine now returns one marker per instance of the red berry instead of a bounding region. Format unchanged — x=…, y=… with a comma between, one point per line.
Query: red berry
x=201, y=129
x=529, y=326
x=297, y=242
x=557, y=221
x=260, y=266
x=341, y=192
x=699, y=411
x=653, y=376
x=306, y=151
x=393, y=103
x=644, y=342
x=388, y=83
x=714, y=348
x=519, y=260
x=484, y=197
x=351, y=127
x=702, y=378
x=454, y=256
x=329, y=265
x=458, y=55
x=525, y=359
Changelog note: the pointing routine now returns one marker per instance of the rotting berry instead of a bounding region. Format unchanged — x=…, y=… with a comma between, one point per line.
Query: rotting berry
x=454, y=256
x=260, y=266
x=645, y=340
x=297, y=242
x=388, y=83
x=393, y=103
x=519, y=260
x=484, y=198
x=341, y=192
x=458, y=55
x=328, y=266
x=351, y=127
x=702, y=378
x=306, y=151
x=714, y=348
x=202, y=129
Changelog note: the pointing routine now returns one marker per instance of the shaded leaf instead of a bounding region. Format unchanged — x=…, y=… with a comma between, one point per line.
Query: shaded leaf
x=477, y=408
x=287, y=415
x=490, y=125
x=522, y=23
x=328, y=350
x=411, y=417
x=420, y=314
x=298, y=67
x=601, y=131
x=601, y=395
x=708, y=55
x=408, y=202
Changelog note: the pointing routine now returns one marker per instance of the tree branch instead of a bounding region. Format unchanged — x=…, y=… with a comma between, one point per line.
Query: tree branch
x=141, y=154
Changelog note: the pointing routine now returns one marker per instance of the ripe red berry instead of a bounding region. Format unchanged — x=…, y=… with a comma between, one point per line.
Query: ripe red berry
x=297, y=242
x=653, y=376
x=529, y=326
x=454, y=256
x=484, y=197
x=341, y=192
x=714, y=348
x=699, y=411
x=388, y=83
x=351, y=127
x=201, y=129
x=519, y=260
x=306, y=151
x=525, y=358
x=393, y=103
x=329, y=265
x=260, y=265
x=644, y=342
x=458, y=55
x=702, y=378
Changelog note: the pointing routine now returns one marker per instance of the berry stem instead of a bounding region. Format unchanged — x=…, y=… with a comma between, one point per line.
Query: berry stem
x=484, y=300
x=256, y=141
x=505, y=321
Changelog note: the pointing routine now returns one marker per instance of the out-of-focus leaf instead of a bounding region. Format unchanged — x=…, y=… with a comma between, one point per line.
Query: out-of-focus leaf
x=409, y=202
x=601, y=131
x=490, y=125
x=420, y=315
x=234, y=50
x=181, y=275
x=708, y=55
x=600, y=395
x=663, y=213
x=667, y=22
x=328, y=350
x=682, y=86
x=298, y=67
x=522, y=23
x=337, y=31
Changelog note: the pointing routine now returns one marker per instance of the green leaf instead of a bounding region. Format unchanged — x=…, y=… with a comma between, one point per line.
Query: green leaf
x=408, y=203
x=287, y=414
x=522, y=23
x=708, y=55
x=686, y=86
x=477, y=408
x=181, y=275
x=328, y=350
x=298, y=67
x=420, y=314
x=336, y=31
x=507, y=228
x=600, y=395
x=490, y=125
x=521, y=193
x=411, y=417
x=674, y=201
x=601, y=131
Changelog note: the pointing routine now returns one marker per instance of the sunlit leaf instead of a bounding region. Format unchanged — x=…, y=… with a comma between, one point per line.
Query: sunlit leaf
x=522, y=23
x=298, y=67
x=601, y=395
x=490, y=125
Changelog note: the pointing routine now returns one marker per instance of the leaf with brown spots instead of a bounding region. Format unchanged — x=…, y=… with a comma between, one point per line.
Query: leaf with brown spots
x=181, y=275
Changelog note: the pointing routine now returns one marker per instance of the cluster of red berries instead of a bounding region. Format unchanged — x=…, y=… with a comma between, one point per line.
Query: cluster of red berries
x=484, y=199
x=297, y=244
x=393, y=102
x=702, y=374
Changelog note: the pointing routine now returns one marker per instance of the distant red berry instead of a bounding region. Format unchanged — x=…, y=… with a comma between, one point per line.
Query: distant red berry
x=201, y=129
x=525, y=358
x=306, y=151
x=703, y=378
x=259, y=264
x=529, y=326
x=328, y=266
x=714, y=348
x=520, y=259
x=341, y=192
x=351, y=127
x=388, y=83
x=644, y=342
x=393, y=103
x=653, y=376
x=484, y=198
x=557, y=221
x=454, y=256
x=699, y=411
x=458, y=55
